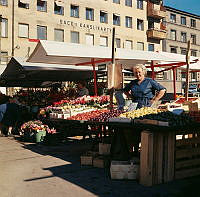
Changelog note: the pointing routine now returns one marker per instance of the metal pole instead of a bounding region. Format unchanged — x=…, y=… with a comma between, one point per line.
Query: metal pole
x=152, y=69
x=13, y=28
x=0, y=36
x=95, y=77
x=174, y=82
x=187, y=70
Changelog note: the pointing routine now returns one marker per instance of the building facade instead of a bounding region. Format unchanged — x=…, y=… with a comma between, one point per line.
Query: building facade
x=181, y=27
x=24, y=22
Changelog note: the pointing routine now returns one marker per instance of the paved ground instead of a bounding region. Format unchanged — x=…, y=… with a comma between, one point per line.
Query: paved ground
x=29, y=170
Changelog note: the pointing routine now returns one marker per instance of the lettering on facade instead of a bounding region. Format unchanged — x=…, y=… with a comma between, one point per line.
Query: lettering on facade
x=86, y=26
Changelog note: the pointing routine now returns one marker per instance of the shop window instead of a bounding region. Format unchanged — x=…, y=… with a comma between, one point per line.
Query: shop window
x=128, y=44
x=173, y=18
x=193, y=39
x=173, y=49
x=4, y=2
x=23, y=30
x=194, y=53
x=140, y=46
x=89, y=14
x=183, y=51
x=118, y=42
x=89, y=39
x=128, y=21
x=59, y=35
x=140, y=4
x=150, y=47
x=193, y=23
x=183, y=20
x=75, y=37
x=140, y=25
x=116, y=1
x=173, y=34
x=23, y=4
x=58, y=9
x=103, y=17
x=116, y=19
x=41, y=5
x=183, y=37
x=103, y=41
x=74, y=11
x=41, y=32
x=128, y=3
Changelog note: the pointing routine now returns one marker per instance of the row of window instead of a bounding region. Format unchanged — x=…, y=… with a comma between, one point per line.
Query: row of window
x=183, y=20
x=183, y=36
x=174, y=49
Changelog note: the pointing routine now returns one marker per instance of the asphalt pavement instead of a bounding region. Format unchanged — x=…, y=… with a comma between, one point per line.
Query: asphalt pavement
x=32, y=170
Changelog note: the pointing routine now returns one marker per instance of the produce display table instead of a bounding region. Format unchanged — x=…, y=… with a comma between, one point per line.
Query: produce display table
x=167, y=153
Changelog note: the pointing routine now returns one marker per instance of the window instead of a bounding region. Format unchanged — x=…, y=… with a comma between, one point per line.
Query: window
x=140, y=46
x=140, y=4
x=173, y=18
x=193, y=39
x=140, y=24
x=89, y=39
x=89, y=14
x=4, y=2
x=4, y=57
x=103, y=41
x=194, y=75
x=59, y=35
x=118, y=42
x=75, y=11
x=103, y=17
x=23, y=31
x=193, y=23
x=183, y=20
x=150, y=47
x=128, y=3
x=75, y=37
x=183, y=51
x=116, y=1
x=173, y=49
x=128, y=21
x=116, y=19
x=58, y=8
x=173, y=34
x=183, y=37
x=4, y=28
x=128, y=44
x=41, y=32
x=194, y=53
x=41, y=5
x=23, y=4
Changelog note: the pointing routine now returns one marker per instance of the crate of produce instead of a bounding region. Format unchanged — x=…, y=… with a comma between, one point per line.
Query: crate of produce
x=124, y=170
x=104, y=149
x=87, y=158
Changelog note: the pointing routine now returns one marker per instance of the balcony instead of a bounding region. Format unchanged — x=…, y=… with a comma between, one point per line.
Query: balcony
x=152, y=11
x=156, y=34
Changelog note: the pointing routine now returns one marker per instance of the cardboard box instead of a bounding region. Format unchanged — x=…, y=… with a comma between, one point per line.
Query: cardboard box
x=104, y=149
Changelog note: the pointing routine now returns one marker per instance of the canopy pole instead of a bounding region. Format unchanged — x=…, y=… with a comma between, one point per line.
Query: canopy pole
x=113, y=69
x=187, y=69
x=152, y=69
x=95, y=77
x=174, y=81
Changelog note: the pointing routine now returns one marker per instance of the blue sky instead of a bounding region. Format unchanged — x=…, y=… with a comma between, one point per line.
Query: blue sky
x=192, y=6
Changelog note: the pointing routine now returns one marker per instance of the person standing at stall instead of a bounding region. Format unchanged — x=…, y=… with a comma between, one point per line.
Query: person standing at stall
x=144, y=91
x=82, y=90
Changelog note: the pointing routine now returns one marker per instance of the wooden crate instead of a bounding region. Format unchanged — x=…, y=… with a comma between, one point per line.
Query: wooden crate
x=101, y=161
x=124, y=170
x=157, y=157
x=87, y=158
x=187, y=160
x=104, y=149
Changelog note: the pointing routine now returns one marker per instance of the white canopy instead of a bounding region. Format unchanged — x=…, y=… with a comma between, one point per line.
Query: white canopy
x=51, y=52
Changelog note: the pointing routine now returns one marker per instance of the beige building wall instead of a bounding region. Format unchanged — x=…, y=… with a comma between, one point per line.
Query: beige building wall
x=32, y=17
